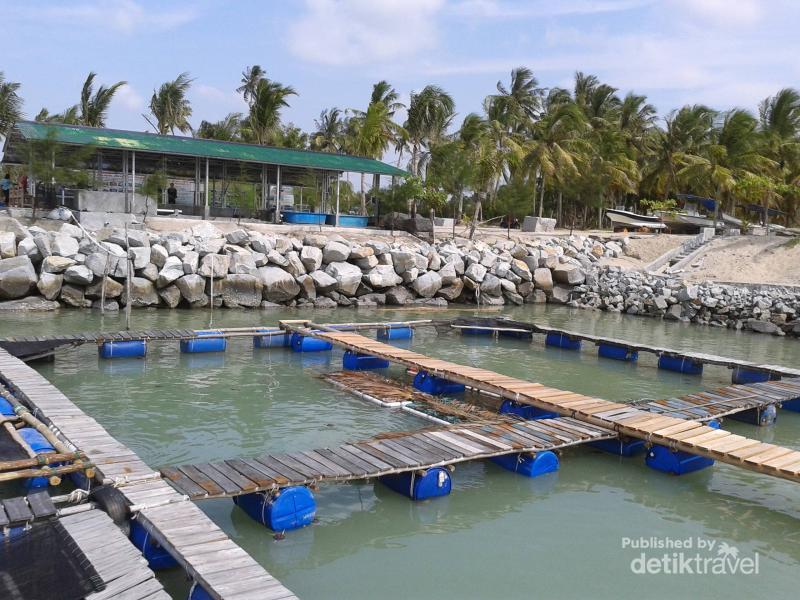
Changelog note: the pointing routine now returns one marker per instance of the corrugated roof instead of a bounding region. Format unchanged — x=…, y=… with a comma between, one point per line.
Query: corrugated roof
x=186, y=146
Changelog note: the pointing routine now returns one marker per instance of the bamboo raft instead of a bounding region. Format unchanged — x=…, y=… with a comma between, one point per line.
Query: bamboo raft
x=201, y=548
x=402, y=452
x=681, y=434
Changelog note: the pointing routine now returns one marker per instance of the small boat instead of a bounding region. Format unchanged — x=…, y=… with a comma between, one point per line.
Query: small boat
x=625, y=219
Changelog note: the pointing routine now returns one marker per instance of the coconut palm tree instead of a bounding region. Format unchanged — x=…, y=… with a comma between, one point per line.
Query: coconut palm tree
x=10, y=105
x=251, y=76
x=226, y=130
x=265, y=112
x=169, y=106
x=384, y=92
x=330, y=133
x=94, y=104
x=430, y=113
x=69, y=117
x=520, y=103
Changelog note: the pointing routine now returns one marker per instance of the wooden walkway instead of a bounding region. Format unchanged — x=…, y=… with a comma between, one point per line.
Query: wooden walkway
x=16, y=512
x=724, y=401
x=390, y=454
x=200, y=547
x=118, y=563
x=711, y=359
x=681, y=434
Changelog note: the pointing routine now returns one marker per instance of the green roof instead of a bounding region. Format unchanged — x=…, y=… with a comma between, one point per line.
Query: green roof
x=186, y=146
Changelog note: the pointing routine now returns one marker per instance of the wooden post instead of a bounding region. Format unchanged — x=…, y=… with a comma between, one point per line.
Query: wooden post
x=433, y=227
x=128, y=281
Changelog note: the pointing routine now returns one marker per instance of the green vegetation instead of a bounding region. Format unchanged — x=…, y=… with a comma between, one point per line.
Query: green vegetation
x=566, y=153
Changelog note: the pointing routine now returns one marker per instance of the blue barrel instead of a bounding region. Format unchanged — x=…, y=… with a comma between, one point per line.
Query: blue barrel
x=198, y=592
x=525, y=411
x=395, y=333
x=476, y=331
x=677, y=462
x=436, y=386
x=6, y=408
x=680, y=364
x=617, y=352
x=520, y=335
x=291, y=508
x=203, y=343
x=353, y=361
x=432, y=483
x=619, y=446
x=560, y=340
x=125, y=349
x=742, y=375
x=792, y=405
x=271, y=341
x=40, y=445
x=527, y=465
x=301, y=343
x=157, y=557
x=762, y=416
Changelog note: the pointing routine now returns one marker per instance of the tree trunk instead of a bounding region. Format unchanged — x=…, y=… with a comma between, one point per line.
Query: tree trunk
x=560, y=205
x=460, y=206
x=600, y=214
x=474, y=223
x=363, y=194
x=541, y=197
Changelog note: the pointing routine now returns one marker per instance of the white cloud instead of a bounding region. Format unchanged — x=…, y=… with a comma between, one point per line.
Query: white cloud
x=122, y=16
x=716, y=13
x=129, y=98
x=229, y=101
x=496, y=9
x=357, y=32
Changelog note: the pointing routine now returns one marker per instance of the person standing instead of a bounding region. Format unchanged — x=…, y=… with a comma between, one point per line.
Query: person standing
x=5, y=186
x=172, y=193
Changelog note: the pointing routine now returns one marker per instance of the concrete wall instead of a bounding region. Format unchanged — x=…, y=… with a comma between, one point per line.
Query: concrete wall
x=114, y=202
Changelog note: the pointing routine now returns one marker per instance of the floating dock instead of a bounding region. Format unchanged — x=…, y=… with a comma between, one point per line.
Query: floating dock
x=689, y=436
x=201, y=548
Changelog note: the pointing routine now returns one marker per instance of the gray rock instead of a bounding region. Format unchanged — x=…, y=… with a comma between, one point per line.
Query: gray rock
x=158, y=255
x=214, y=265
x=428, y=284
x=521, y=269
x=42, y=242
x=170, y=296
x=451, y=292
x=538, y=297
x=17, y=277
x=260, y=243
x=403, y=261
x=171, y=271
x=569, y=274
x=110, y=305
x=543, y=279
x=143, y=293
x=476, y=272
x=315, y=240
x=513, y=297
x=64, y=245
x=294, y=265
x=398, y=296
x=322, y=281
x=191, y=261
x=242, y=290
x=561, y=294
x=140, y=255
x=27, y=247
x=368, y=263
x=311, y=257
x=29, y=304
x=56, y=264
x=10, y=224
x=674, y=313
x=448, y=274
x=347, y=277
x=383, y=276
x=8, y=244
x=323, y=302
x=361, y=252
x=78, y=275
x=237, y=237
x=687, y=294
x=491, y=285
x=243, y=264
x=113, y=289
x=335, y=252
x=73, y=295
x=150, y=272
x=209, y=246
x=192, y=288
x=71, y=230
x=278, y=285
x=205, y=230
x=49, y=285
x=307, y=287
x=409, y=275
x=763, y=327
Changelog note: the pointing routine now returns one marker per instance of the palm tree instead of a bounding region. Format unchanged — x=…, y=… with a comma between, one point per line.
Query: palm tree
x=429, y=115
x=94, y=105
x=170, y=107
x=518, y=104
x=68, y=117
x=226, y=130
x=265, y=111
x=384, y=92
x=10, y=105
x=251, y=76
x=330, y=133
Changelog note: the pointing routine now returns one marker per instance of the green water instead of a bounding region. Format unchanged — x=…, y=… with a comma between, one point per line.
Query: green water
x=498, y=535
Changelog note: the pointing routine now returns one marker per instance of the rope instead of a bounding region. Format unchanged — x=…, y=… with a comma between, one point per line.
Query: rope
x=77, y=495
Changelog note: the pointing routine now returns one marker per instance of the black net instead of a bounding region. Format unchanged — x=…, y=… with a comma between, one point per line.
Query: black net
x=45, y=563
x=9, y=448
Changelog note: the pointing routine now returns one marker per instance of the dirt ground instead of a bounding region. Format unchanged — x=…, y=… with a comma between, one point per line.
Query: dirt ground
x=644, y=250
x=749, y=259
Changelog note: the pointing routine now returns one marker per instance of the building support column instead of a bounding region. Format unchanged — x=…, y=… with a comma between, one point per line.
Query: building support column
x=205, y=191
x=133, y=182
x=277, y=216
x=125, y=180
x=336, y=220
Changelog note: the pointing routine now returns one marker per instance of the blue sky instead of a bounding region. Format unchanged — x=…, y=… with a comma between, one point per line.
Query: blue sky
x=721, y=52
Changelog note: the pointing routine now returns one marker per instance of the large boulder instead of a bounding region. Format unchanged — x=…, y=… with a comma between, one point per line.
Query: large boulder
x=521, y=269
x=10, y=224
x=403, y=261
x=191, y=262
x=8, y=244
x=71, y=230
x=214, y=265
x=278, y=285
x=311, y=257
x=170, y=296
x=192, y=288
x=491, y=285
x=569, y=274
x=29, y=304
x=476, y=272
x=78, y=275
x=42, y=241
x=101, y=263
x=17, y=277
x=64, y=245
x=335, y=252
x=763, y=327
x=428, y=284
x=56, y=264
x=205, y=230
x=398, y=296
x=237, y=237
x=49, y=285
x=143, y=293
x=27, y=247
x=307, y=287
x=113, y=289
x=347, y=277
x=140, y=255
x=158, y=255
x=561, y=294
x=448, y=273
x=543, y=278
x=383, y=276
x=73, y=295
x=241, y=289
x=322, y=281
x=294, y=265
x=171, y=271
x=451, y=292
x=242, y=264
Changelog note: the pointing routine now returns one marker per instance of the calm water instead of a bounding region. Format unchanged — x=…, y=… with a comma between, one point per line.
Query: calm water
x=497, y=535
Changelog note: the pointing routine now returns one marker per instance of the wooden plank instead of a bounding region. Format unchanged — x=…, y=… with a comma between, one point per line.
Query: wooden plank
x=255, y=475
x=280, y=469
x=17, y=510
x=41, y=504
x=373, y=460
x=182, y=483
x=202, y=480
